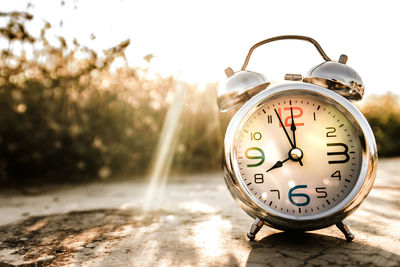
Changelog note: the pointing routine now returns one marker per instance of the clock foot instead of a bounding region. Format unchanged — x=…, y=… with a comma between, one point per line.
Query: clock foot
x=345, y=230
x=255, y=228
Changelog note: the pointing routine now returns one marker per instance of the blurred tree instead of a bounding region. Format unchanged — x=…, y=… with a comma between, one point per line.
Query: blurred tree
x=68, y=118
x=67, y=115
x=383, y=113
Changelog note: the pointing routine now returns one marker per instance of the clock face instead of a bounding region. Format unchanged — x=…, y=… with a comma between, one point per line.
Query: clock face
x=298, y=155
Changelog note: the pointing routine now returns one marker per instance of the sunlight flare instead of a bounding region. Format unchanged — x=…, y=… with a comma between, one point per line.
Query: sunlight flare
x=165, y=150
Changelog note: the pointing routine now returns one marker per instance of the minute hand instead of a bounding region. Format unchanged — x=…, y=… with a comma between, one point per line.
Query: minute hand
x=284, y=129
x=293, y=128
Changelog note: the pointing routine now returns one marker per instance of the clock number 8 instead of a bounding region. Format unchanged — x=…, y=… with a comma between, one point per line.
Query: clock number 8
x=258, y=178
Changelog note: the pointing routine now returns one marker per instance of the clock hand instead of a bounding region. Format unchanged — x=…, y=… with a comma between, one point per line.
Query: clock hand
x=293, y=128
x=284, y=129
x=278, y=164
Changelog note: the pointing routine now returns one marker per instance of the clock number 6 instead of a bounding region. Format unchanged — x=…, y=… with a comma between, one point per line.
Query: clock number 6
x=296, y=195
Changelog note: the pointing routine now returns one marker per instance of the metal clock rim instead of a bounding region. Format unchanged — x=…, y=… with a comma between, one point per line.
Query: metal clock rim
x=348, y=204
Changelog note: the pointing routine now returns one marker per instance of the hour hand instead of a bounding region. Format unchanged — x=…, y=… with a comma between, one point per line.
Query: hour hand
x=278, y=164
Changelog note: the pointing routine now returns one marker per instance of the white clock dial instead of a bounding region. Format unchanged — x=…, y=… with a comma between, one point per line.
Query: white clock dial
x=306, y=170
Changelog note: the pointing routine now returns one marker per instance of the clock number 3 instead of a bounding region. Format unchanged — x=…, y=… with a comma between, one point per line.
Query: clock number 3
x=343, y=156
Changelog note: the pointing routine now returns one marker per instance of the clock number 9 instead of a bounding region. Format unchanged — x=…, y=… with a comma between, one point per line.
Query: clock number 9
x=260, y=156
x=303, y=195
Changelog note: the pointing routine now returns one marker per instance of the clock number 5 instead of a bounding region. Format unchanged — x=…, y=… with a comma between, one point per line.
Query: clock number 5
x=297, y=195
x=255, y=153
x=322, y=192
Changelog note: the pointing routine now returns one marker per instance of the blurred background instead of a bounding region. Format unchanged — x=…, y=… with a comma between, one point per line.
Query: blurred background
x=95, y=90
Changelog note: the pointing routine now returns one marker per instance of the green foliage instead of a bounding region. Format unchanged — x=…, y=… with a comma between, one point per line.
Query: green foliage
x=383, y=114
x=68, y=114
x=201, y=139
x=68, y=118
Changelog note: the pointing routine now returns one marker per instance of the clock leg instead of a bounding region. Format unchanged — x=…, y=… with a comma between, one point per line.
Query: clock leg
x=255, y=228
x=345, y=230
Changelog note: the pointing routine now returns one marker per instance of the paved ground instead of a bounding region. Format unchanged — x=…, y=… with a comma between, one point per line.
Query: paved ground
x=101, y=224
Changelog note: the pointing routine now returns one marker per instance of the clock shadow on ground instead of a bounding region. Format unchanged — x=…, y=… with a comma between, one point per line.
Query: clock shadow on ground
x=309, y=249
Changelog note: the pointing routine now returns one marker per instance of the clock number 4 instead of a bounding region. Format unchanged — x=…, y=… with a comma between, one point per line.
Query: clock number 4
x=336, y=174
x=255, y=153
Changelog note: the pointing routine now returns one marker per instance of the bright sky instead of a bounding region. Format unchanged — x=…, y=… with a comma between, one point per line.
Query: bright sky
x=199, y=39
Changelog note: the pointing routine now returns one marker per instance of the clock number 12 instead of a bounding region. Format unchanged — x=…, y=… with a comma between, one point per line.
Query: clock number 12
x=297, y=113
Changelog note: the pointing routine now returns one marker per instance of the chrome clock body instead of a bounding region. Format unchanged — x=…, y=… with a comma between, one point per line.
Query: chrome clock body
x=254, y=207
x=298, y=155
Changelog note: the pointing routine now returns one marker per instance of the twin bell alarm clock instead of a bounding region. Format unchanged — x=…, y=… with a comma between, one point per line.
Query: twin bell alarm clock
x=298, y=155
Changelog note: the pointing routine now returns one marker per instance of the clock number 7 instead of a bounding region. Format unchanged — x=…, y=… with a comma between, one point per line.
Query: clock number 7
x=277, y=191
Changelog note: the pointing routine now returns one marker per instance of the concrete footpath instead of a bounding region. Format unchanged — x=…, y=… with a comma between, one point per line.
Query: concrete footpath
x=101, y=224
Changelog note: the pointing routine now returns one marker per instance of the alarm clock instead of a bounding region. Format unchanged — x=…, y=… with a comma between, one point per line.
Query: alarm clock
x=298, y=155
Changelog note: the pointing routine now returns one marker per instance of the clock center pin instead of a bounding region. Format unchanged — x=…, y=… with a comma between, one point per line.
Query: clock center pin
x=295, y=154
